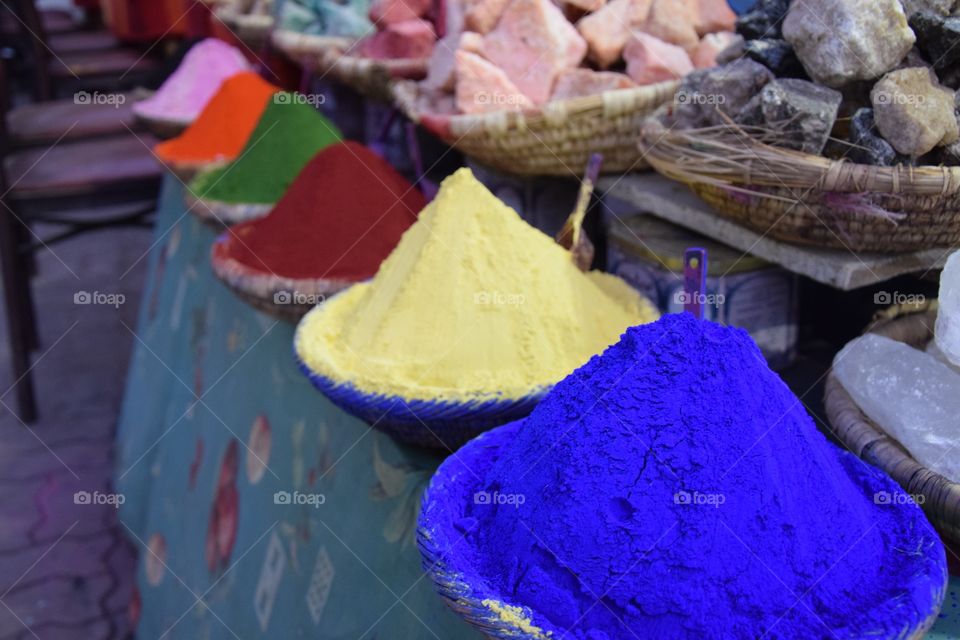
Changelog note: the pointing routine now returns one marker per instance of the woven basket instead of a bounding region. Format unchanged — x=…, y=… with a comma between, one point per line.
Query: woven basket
x=806, y=199
x=428, y=423
x=370, y=78
x=162, y=128
x=557, y=140
x=304, y=48
x=224, y=214
x=187, y=171
x=288, y=299
x=913, y=326
x=254, y=30
x=456, y=482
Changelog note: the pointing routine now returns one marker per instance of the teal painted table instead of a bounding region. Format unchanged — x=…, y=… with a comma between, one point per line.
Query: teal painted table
x=260, y=509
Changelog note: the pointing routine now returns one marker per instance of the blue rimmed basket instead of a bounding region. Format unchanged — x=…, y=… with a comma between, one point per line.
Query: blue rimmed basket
x=427, y=423
x=456, y=481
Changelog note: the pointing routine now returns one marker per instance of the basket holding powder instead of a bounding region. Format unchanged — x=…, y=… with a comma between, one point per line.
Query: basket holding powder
x=466, y=325
x=674, y=487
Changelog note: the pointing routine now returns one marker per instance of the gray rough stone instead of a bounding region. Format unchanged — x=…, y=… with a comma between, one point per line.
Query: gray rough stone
x=764, y=20
x=801, y=112
x=869, y=147
x=938, y=38
x=733, y=51
x=913, y=112
x=776, y=55
x=939, y=7
x=706, y=95
x=839, y=41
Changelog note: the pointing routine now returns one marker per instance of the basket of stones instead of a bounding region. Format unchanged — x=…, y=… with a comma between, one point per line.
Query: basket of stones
x=838, y=129
x=530, y=89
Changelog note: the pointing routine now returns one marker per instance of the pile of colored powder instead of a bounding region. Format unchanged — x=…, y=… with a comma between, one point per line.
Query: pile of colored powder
x=188, y=90
x=341, y=217
x=674, y=487
x=474, y=303
x=288, y=135
x=223, y=127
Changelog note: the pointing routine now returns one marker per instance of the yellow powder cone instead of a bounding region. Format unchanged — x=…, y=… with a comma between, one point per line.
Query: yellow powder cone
x=474, y=303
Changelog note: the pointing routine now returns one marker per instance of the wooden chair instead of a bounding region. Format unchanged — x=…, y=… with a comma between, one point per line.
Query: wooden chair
x=77, y=186
x=98, y=69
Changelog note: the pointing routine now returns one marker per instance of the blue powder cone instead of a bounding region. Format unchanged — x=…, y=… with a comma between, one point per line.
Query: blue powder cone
x=674, y=487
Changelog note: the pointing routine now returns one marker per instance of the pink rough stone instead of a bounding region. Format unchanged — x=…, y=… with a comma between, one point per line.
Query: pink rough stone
x=585, y=5
x=651, y=60
x=533, y=43
x=482, y=16
x=384, y=12
x=713, y=16
x=673, y=21
x=400, y=40
x=574, y=83
x=483, y=87
x=441, y=71
x=705, y=55
x=608, y=30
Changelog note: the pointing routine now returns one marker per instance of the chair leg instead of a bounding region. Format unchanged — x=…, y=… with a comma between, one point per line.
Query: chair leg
x=16, y=286
x=28, y=266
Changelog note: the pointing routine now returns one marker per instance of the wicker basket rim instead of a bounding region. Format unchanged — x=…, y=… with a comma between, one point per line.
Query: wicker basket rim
x=263, y=20
x=814, y=172
x=283, y=37
x=558, y=111
x=259, y=283
x=160, y=120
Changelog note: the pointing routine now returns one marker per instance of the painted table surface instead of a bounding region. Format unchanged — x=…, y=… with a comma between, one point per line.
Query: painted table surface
x=211, y=383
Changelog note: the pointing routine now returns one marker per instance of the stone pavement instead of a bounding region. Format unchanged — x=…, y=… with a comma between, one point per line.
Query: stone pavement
x=66, y=569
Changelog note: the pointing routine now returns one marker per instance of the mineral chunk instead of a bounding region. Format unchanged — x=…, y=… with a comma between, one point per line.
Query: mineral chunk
x=573, y=83
x=483, y=87
x=650, y=59
x=913, y=112
x=734, y=50
x=713, y=16
x=938, y=7
x=674, y=21
x=909, y=394
x=938, y=38
x=839, y=41
x=706, y=94
x=608, y=30
x=869, y=147
x=389, y=11
x=705, y=55
x=776, y=55
x=533, y=43
x=764, y=20
x=481, y=16
x=947, y=333
x=800, y=112
x=442, y=66
x=407, y=39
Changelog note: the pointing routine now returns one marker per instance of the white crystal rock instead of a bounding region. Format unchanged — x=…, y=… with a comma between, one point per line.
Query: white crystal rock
x=947, y=333
x=910, y=394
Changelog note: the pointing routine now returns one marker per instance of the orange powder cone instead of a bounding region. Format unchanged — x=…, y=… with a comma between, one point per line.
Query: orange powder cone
x=223, y=127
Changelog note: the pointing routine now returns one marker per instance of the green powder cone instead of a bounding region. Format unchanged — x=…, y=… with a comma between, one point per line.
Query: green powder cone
x=290, y=132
